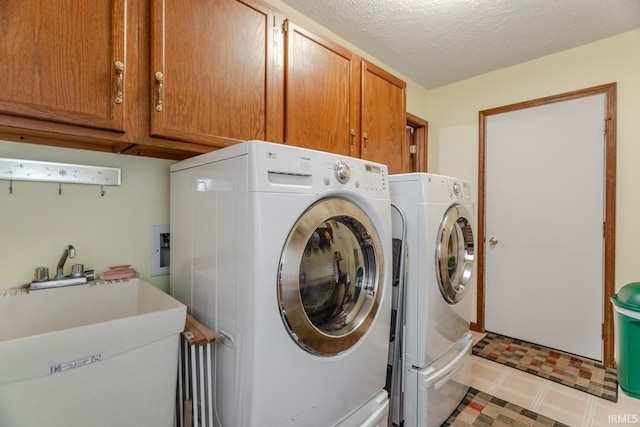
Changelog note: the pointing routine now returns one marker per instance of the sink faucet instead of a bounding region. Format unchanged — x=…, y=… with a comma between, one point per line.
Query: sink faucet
x=69, y=252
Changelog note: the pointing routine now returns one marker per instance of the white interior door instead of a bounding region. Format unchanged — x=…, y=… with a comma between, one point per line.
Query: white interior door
x=544, y=204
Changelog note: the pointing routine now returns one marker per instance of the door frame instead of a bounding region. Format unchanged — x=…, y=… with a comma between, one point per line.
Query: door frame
x=417, y=142
x=609, y=129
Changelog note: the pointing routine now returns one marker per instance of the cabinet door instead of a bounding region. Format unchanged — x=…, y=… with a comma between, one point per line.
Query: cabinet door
x=383, y=118
x=320, y=98
x=59, y=61
x=211, y=69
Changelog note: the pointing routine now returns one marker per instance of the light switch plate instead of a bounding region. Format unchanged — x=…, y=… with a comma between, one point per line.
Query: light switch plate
x=160, y=250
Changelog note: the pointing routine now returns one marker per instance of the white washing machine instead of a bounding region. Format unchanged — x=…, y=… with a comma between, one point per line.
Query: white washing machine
x=285, y=252
x=432, y=217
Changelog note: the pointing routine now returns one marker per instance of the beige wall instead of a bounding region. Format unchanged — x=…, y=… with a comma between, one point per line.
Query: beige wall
x=453, y=121
x=36, y=223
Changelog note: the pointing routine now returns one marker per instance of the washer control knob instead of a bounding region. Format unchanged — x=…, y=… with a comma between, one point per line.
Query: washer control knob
x=456, y=188
x=342, y=171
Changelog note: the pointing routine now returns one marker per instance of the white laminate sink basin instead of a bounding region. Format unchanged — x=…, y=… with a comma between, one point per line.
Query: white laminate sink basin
x=101, y=354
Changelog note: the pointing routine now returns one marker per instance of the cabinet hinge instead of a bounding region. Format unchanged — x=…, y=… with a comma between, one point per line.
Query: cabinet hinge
x=604, y=228
x=604, y=127
x=413, y=149
x=285, y=26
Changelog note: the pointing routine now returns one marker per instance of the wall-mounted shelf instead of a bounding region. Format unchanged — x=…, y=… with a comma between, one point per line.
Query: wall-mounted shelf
x=32, y=170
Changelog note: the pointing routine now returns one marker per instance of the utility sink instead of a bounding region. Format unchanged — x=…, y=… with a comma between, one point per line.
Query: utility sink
x=102, y=354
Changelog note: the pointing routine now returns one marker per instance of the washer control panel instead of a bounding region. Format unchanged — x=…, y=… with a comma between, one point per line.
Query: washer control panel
x=375, y=179
x=342, y=171
x=367, y=178
x=282, y=168
x=460, y=190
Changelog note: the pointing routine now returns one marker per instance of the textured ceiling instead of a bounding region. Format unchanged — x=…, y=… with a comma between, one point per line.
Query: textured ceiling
x=436, y=42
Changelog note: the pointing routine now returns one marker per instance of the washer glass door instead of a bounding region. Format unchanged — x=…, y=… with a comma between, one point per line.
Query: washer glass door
x=455, y=253
x=330, y=277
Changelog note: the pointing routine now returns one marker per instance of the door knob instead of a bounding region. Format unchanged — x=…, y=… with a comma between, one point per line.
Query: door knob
x=493, y=241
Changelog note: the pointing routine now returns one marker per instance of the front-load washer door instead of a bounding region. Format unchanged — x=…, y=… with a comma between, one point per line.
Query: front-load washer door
x=330, y=277
x=455, y=253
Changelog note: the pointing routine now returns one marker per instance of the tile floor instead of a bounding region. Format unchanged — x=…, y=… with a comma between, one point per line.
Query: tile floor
x=556, y=401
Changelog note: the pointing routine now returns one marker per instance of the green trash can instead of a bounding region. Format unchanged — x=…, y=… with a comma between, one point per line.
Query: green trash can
x=627, y=306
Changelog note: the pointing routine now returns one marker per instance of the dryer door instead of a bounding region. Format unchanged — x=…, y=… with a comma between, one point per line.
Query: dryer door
x=330, y=277
x=455, y=253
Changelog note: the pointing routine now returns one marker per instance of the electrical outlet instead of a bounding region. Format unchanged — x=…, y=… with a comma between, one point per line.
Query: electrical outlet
x=160, y=250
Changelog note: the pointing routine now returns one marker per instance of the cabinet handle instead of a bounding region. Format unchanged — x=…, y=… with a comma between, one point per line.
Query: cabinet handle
x=352, y=142
x=120, y=74
x=159, y=79
x=366, y=142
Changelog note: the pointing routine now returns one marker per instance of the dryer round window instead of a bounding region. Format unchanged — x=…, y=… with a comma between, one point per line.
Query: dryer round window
x=330, y=277
x=455, y=253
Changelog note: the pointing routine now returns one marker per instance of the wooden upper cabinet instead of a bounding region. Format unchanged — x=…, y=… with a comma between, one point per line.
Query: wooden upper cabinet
x=383, y=119
x=63, y=61
x=211, y=70
x=336, y=102
x=174, y=78
x=320, y=93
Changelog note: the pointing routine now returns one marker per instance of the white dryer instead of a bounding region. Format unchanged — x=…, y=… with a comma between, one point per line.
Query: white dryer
x=431, y=215
x=285, y=252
